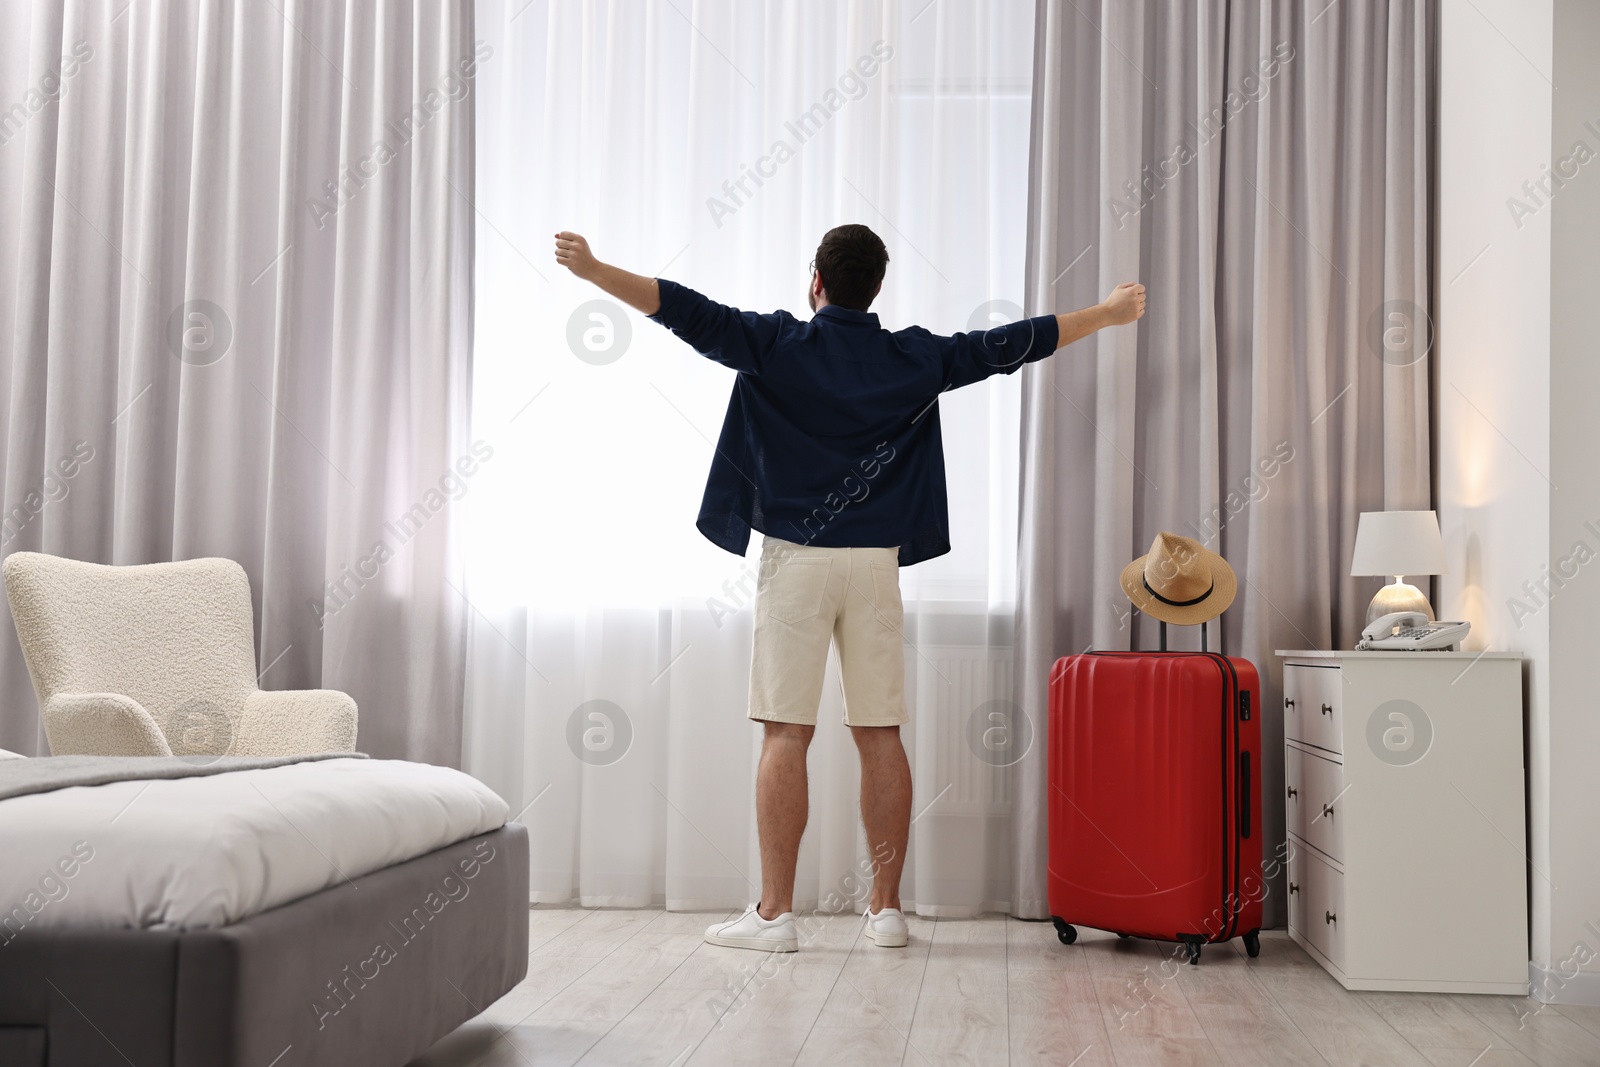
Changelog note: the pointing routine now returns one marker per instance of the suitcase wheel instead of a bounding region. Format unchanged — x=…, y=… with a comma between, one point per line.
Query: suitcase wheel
x=1252, y=944
x=1124, y=936
x=1194, y=951
x=1065, y=930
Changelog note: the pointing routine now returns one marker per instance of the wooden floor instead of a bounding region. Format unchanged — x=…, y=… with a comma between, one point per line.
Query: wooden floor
x=641, y=987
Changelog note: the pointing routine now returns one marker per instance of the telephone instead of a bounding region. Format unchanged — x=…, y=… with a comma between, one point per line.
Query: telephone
x=1410, y=631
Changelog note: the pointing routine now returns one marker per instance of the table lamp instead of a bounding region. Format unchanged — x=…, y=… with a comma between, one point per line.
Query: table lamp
x=1397, y=543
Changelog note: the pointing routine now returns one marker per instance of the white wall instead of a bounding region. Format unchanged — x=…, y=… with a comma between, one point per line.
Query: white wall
x=1516, y=276
x=1574, y=730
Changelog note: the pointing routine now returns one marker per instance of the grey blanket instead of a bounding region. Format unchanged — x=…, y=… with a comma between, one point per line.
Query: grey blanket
x=20, y=777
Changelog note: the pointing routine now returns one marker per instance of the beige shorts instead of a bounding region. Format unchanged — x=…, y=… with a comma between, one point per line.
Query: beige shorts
x=807, y=597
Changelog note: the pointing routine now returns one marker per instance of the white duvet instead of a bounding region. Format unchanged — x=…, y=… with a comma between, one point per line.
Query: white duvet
x=208, y=851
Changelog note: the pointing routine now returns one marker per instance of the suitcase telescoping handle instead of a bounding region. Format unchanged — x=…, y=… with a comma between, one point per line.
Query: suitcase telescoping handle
x=1161, y=628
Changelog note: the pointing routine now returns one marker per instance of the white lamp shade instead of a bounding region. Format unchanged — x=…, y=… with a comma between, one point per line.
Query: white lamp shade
x=1399, y=543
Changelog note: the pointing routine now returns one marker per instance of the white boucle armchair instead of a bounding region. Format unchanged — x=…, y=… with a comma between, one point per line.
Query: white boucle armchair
x=158, y=660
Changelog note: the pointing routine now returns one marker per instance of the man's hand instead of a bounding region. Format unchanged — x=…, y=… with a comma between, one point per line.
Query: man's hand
x=572, y=252
x=1125, y=304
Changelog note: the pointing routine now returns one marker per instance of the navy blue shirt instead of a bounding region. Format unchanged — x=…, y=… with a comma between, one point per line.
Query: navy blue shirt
x=832, y=432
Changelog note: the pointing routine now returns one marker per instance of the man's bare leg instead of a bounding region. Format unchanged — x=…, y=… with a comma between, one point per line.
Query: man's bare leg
x=885, y=807
x=782, y=804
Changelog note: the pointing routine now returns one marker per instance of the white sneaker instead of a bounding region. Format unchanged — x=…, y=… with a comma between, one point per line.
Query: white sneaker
x=750, y=930
x=887, y=928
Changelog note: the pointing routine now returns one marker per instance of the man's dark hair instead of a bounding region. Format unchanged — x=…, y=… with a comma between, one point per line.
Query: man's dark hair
x=851, y=260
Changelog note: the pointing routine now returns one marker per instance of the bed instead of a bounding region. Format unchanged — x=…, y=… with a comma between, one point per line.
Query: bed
x=270, y=912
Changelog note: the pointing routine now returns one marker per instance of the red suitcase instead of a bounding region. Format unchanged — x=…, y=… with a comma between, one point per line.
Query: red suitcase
x=1154, y=809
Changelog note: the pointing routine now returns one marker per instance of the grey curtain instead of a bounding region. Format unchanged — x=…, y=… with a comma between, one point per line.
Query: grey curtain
x=235, y=263
x=1263, y=168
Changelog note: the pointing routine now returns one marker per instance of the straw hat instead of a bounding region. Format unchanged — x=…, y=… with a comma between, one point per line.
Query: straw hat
x=1179, y=581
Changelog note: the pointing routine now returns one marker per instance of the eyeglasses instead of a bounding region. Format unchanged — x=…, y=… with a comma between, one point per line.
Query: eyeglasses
x=811, y=268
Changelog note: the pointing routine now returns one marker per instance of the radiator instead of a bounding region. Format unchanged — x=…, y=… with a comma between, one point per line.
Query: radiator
x=967, y=728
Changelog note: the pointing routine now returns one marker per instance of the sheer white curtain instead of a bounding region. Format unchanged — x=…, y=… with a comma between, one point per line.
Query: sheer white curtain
x=714, y=143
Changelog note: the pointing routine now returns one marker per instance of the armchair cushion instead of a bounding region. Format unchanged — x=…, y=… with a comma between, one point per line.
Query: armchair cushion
x=101, y=724
x=296, y=722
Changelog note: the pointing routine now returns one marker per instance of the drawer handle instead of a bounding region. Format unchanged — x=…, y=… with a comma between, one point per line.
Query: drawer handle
x=1294, y=887
x=1327, y=709
x=1327, y=810
x=1329, y=917
x=1293, y=792
x=1287, y=704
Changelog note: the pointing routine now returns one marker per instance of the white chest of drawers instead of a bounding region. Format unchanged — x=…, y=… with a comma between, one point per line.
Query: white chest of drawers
x=1404, y=806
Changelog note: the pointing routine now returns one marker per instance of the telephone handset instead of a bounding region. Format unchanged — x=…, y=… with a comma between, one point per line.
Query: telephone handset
x=1410, y=631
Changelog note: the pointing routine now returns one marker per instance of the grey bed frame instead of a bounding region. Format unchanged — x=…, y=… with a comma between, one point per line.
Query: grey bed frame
x=306, y=983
